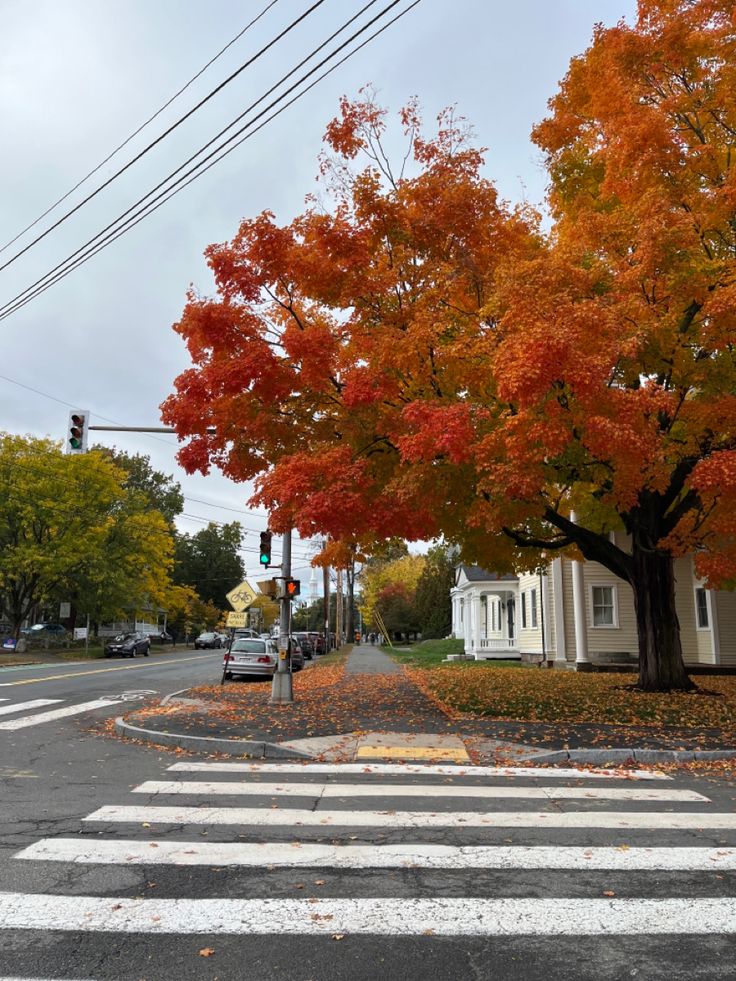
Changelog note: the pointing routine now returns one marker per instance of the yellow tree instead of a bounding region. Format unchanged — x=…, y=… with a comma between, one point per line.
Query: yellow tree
x=68, y=528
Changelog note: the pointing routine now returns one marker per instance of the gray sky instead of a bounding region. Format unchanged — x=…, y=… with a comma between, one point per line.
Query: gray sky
x=78, y=76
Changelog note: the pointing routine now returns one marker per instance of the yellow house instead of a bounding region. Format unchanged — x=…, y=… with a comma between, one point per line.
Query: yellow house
x=579, y=615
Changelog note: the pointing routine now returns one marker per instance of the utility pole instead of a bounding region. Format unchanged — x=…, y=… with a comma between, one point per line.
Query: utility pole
x=338, y=609
x=281, y=688
x=326, y=603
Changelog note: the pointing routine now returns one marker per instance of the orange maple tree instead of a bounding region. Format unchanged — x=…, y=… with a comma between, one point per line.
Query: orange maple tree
x=420, y=358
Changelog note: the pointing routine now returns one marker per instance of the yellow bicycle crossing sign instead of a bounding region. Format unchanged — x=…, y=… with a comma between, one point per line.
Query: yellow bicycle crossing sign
x=242, y=596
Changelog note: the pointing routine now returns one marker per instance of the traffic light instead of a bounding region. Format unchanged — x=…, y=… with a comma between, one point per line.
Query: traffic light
x=78, y=425
x=293, y=588
x=265, y=554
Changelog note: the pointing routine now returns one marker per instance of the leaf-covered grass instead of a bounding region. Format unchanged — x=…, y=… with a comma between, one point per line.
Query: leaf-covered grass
x=431, y=653
x=494, y=692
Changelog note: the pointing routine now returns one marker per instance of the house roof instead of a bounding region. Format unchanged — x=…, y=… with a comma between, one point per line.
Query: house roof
x=474, y=573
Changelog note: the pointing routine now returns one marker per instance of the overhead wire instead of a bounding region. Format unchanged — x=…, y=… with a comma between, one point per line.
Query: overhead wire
x=167, y=132
x=92, y=245
x=71, y=263
x=140, y=128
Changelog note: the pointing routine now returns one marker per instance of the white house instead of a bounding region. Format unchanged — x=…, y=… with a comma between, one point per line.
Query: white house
x=579, y=615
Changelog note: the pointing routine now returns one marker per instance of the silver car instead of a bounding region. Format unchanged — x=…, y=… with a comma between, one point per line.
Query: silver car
x=251, y=656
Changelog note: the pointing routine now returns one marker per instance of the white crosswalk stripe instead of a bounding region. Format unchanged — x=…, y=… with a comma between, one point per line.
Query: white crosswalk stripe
x=340, y=790
x=421, y=770
x=264, y=855
x=574, y=835
x=27, y=721
x=395, y=917
x=24, y=706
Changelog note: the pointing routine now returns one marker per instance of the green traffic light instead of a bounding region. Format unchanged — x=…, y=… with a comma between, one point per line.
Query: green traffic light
x=265, y=558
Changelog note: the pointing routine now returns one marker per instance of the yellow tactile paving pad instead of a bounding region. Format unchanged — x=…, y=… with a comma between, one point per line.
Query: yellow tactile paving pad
x=413, y=753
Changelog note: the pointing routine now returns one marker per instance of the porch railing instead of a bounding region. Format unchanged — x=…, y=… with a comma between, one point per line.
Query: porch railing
x=497, y=643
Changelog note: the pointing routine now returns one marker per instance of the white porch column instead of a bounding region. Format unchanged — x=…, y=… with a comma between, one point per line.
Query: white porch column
x=715, y=633
x=559, y=601
x=578, y=605
x=474, y=622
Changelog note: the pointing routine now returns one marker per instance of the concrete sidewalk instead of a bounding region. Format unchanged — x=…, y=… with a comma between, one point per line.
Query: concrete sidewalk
x=375, y=712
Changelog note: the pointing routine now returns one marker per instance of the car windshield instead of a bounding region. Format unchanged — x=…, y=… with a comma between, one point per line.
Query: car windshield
x=206, y=636
x=38, y=626
x=121, y=637
x=250, y=646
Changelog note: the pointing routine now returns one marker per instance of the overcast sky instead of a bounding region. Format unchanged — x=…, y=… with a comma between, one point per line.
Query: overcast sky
x=78, y=76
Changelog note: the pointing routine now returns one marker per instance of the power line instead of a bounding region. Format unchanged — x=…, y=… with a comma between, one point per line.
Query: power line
x=94, y=244
x=70, y=263
x=167, y=132
x=194, y=500
x=135, y=133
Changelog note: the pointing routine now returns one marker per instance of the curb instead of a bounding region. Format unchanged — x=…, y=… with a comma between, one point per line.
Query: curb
x=638, y=755
x=210, y=744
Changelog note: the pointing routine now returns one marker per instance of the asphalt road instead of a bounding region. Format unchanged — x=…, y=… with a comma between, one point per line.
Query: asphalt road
x=115, y=866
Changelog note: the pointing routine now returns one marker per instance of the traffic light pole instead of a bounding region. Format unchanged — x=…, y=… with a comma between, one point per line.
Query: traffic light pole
x=281, y=687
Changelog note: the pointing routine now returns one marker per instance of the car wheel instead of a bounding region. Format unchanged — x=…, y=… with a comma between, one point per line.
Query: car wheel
x=228, y=676
x=145, y=652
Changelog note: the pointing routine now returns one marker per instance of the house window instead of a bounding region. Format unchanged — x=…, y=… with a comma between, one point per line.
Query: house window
x=701, y=608
x=533, y=607
x=493, y=615
x=523, y=610
x=604, y=606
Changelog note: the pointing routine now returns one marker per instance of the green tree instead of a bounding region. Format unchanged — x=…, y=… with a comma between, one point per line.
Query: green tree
x=69, y=529
x=209, y=562
x=433, y=604
x=163, y=492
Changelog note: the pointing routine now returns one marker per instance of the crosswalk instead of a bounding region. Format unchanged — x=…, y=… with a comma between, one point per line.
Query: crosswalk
x=26, y=721
x=397, y=822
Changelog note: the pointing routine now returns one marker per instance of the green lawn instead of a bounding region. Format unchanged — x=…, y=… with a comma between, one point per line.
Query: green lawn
x=430, y=653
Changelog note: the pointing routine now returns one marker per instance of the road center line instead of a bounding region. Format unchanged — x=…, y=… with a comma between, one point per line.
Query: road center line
x=79, y=674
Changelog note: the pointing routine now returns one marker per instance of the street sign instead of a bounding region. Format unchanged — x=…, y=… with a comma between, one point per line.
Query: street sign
x=268, y=587
x=236, y=619
x=65, y=611
x=242, y=596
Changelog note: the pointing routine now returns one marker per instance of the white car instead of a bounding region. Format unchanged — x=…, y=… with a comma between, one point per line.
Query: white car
x=251, y=656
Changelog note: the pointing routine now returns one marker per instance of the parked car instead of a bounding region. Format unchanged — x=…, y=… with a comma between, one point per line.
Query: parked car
x=297, y=655
x=318, y=642
x=251, y=656
x=306, y=645
x=45, y=630
x=128, y=645
x=206, y=641
x=163, y=637
x=246, y=632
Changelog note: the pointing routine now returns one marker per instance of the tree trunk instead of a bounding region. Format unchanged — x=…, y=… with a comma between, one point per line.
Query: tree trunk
x=661, y=667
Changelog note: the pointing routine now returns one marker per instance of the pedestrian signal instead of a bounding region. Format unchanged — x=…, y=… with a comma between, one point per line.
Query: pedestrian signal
x=293, y=588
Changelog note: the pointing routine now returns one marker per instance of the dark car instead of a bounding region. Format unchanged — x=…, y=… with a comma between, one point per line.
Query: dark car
x=306, y=645
x=207, y=641
x=164, y=637
x=297, y=654
x=128, y=645
x=318, y=642
x=41, y=630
